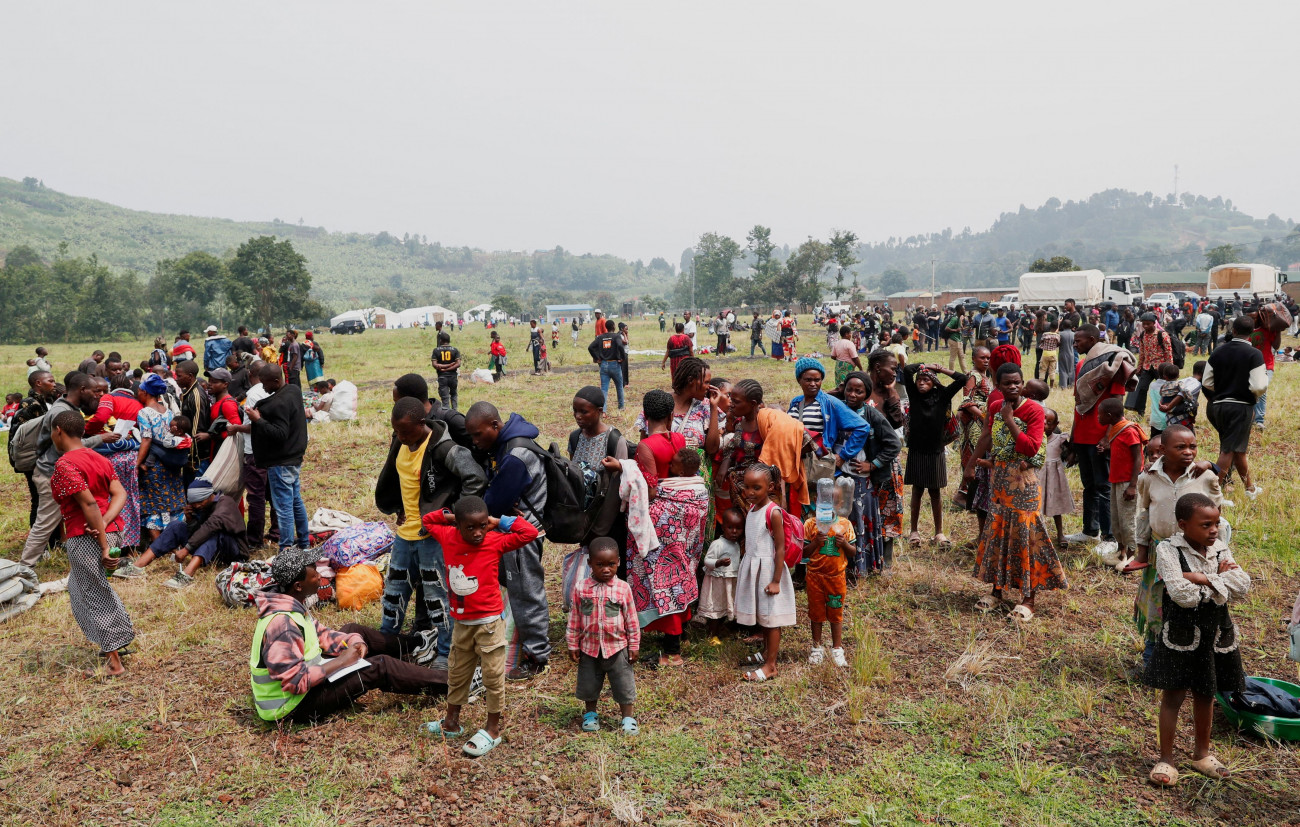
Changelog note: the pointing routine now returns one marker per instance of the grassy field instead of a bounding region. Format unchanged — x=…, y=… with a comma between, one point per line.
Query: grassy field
x=946, y=716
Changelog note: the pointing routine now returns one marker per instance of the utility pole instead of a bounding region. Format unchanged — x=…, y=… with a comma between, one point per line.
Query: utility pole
x=692, y=285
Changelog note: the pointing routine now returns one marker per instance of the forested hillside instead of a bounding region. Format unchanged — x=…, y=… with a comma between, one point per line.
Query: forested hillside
x=347, y=269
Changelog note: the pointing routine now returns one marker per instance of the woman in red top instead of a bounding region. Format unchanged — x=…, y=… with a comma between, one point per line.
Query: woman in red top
x=655, y=451
x=679, y=347
x=90, y=497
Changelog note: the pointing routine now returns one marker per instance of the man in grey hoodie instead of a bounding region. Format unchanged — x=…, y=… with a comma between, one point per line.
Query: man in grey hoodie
x=517, y=482
x=81, y=397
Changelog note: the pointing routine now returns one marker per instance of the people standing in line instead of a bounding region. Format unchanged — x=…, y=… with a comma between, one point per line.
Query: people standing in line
x=244, y=343
x=517, y=482
x=291, y=357
x=216, y=348
x=254, y=476
x=279, y=431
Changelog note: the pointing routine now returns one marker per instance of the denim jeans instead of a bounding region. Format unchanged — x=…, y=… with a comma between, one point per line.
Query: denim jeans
x=1262, y=402
x=611, y=371
x=1095, y=476
x=756, y=343
x=286, y=499
x=411, y=559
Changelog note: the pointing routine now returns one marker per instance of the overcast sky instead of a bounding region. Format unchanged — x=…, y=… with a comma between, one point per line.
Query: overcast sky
x=632, y=128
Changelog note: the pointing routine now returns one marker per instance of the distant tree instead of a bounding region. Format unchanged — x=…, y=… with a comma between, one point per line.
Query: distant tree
x=269, y=278
x=893, y=281
x=800, y=280
x=1223, y=254
x=1056, y=264
x=655, y=304
x=181, y=289
x=659, y=265
x=21, y=256
x=713, y=277
x=759, y=243
x=842, y=244
x=31, y=183
x=507, y=303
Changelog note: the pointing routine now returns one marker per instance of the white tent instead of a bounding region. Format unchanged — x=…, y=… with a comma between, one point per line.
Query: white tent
x=350, y=315
x=426, y=316
x=478, y=312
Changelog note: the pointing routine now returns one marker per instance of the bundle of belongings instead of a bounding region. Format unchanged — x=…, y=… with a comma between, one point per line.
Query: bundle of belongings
x=19, y=589
x=1265, y=699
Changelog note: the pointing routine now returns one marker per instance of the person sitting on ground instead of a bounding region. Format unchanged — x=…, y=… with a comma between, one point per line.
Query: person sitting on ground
x=213, y=531
x=320, y=408
x=290, y=679
x=473, y=552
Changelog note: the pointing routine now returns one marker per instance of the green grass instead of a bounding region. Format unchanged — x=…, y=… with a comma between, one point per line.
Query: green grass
x=1040, y=727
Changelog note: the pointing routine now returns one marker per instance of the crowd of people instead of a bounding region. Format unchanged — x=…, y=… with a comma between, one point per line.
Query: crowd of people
x=721, y=504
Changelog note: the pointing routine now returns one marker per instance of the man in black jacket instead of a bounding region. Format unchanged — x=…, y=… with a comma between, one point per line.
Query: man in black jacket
x=279, y=442
x=608, y=352
x=425, y=471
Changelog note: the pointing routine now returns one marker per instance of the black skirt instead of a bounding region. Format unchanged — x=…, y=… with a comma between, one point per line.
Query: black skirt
x=1196, y=649
x=925, y=470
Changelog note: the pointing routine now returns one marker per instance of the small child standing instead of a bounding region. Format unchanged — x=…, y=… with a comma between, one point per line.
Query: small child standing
x=1048, y=344
x=604, y=636
x=1057, y=499
x=826, y=584
x=497, y=357
x=721, y=562
x=1124, y=440
x=1198, y=646
x=1164, y=374
x=472, y=551
x=764, y=590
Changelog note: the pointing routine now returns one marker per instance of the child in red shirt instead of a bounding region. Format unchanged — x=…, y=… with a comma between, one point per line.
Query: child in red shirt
x=497, y=359
x=1124, y=439
x=472, y=553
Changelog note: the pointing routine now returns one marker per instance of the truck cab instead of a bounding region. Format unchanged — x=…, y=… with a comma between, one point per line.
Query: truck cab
x=1124, y=289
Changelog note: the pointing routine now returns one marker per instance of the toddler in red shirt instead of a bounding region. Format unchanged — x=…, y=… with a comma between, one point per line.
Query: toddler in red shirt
x=1124, y=439
x=472, y=549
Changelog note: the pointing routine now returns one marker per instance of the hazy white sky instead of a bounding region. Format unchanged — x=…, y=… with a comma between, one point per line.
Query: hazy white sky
x=631, y=128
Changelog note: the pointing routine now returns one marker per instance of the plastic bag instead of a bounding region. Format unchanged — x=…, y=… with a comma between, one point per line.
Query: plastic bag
x=344, y=406
x=358, y=586
x=226, y=473
x=481, y=375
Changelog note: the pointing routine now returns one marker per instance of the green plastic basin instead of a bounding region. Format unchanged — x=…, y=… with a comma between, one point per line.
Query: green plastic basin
x=1282, y=729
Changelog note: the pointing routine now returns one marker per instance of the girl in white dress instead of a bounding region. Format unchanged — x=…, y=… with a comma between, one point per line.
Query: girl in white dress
x=764, y=591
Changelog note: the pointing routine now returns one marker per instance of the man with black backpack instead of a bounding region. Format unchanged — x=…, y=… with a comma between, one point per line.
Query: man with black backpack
x=517, y=483
x=39, y=396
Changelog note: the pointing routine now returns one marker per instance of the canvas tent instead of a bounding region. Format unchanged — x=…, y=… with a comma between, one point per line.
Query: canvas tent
x=425, y=316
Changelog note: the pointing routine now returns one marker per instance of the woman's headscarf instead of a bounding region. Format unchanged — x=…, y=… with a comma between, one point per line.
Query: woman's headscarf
x=807, y=363
x=154, y=385
x=1003, y=354
x=591, y=394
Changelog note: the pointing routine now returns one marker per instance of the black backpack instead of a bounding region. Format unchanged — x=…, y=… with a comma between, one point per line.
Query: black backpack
x=1178, y=348
x=565, y=519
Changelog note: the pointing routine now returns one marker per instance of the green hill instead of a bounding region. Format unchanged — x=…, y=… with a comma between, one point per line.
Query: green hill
x=1114, y=230
x=348, y=269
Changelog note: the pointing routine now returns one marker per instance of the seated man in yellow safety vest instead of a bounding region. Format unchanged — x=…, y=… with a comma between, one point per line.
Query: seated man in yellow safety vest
x=292, y=657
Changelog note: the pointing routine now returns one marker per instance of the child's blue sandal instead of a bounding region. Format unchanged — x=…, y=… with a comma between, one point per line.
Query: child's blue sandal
x=436, y=729
x=629, y=726
x=481, y=744
x=590, y=722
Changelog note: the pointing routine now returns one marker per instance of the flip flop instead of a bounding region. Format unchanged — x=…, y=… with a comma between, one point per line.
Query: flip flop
x=1021, y=612
x=914, y=539
x=1211, y=767
x=590, y=722
x=1165, y=769
x=481, y=744
x=756, y=676
x=435, y=729
x=1132, y=566
x=942, y=543
x=755, y=659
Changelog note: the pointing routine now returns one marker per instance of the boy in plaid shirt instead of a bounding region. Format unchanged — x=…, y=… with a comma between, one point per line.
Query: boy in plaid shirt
x=604, y=636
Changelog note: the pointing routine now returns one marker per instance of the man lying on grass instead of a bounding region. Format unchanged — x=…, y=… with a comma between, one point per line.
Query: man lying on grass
x=294, y=660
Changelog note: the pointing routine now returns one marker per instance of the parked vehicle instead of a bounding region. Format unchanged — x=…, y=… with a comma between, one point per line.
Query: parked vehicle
x=970, y=303
x=1163, y=299
x=1088, y=288
x=1009, y=301
x=349, y=326
x=1185, y=296
x=1244, y=279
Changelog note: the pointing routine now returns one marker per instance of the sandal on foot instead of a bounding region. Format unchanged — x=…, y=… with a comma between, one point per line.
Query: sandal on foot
x=1167, y=771
x=757, y=676
x=914, y=539
x=481, y=744
x=590, y=722
x=629, y=726
x=1132, y=566
x=436, y=729
x=942, y=543
x=1211, y=767
x=1021, y=612
x=755, y=659
x=988, y=603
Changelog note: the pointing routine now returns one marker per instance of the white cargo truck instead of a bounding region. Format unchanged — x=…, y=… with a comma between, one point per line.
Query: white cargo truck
x=1246, y=280
x=1088, y=288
